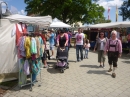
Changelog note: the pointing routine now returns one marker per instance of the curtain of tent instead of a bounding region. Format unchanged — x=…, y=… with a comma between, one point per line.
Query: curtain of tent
x=8, y=51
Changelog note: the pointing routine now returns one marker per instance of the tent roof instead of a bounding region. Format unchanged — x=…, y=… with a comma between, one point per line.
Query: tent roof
x=58, y=24
x=110, y=25
x=43, y=20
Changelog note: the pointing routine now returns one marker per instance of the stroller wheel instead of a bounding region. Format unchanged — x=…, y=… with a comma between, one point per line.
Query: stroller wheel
x=62, y=70
x=68, y=67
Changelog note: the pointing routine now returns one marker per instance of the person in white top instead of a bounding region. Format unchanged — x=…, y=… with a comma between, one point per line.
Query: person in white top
x=100, y=44
x=86, y=48
x=79, y=42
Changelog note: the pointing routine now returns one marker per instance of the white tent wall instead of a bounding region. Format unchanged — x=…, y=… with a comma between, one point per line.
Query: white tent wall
x=8, y=51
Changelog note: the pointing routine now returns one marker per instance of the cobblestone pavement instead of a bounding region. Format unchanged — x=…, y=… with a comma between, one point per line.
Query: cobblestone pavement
x=82, y=79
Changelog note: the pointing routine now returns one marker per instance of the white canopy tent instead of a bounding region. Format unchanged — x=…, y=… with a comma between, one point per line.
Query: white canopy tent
x=110, y=25
x=58, y=24
x=8, y=49
x=41, y=21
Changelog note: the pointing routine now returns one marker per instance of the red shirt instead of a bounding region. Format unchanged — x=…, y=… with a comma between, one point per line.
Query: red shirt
x=43, y=38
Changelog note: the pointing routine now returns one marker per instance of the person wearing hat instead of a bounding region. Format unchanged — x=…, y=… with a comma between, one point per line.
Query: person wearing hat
x=51, y=36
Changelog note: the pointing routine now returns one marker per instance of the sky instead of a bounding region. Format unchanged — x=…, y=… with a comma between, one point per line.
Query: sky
x=18, y=6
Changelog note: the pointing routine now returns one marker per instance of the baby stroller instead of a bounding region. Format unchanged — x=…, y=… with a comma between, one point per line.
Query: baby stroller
x=62, y=56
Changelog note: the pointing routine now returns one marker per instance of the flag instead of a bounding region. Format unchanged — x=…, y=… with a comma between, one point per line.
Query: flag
x=116, y=13
x=108, y=13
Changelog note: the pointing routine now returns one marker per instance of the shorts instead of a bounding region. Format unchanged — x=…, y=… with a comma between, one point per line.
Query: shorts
x=44, y=56
x=113, y=58
x=52, y=47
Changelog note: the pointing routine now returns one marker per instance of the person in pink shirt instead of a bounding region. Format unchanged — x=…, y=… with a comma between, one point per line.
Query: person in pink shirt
x=114, y=48
x=62, y=39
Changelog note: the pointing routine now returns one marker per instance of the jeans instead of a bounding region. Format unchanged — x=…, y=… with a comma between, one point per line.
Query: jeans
x=86, y=53
x=79, y=48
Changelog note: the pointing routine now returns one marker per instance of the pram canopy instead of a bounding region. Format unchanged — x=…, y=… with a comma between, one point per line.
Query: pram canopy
x=62, y=52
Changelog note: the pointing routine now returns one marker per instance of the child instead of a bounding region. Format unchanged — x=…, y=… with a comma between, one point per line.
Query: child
x=86, y=48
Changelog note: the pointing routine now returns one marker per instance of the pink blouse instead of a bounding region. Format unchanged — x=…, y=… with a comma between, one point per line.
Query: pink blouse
x=66, y=35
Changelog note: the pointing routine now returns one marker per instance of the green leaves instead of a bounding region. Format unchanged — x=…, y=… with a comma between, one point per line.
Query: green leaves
x=69, y=11
x=124, y=10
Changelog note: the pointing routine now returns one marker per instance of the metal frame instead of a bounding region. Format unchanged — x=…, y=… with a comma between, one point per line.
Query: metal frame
x=7, y=11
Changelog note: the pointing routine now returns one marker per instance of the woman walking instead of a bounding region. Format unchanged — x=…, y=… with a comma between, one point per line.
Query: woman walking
x=114, y=48
x=100, y=44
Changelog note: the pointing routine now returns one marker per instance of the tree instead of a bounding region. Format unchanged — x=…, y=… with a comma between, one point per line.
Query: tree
x=69, y=11
x=124, y=10
x=102, y=20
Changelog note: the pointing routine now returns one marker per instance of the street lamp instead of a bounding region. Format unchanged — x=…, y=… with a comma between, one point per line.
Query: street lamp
x=6, y=13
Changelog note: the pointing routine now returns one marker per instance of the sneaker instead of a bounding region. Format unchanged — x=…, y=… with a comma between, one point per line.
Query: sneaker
x=45, y=66
x=110, y=70
x=78, y=61
x=103, y=66
x=52, y=57
x=113, y=75
x=100, y=66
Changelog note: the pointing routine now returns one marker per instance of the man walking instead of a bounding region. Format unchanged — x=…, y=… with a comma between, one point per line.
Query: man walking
x=79, y=42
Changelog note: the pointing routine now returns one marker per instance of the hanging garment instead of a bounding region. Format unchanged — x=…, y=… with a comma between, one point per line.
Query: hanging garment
x=22, y=75
x=18, y=50
x=38, y=47
x=33, y=46
x=18, y=34
x=35, y=67
x=41, y=46
x=33, y=56
x=19, y=29
x=26, y=67
x=21, y=47
x=27, y=46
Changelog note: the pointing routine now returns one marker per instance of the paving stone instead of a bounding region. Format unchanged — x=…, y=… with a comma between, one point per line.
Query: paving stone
x=41, y=95
x=82, y=79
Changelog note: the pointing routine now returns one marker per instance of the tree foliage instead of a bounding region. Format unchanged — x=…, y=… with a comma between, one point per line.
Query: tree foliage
x=102, y=20
x=124, y=10
x=68, y=11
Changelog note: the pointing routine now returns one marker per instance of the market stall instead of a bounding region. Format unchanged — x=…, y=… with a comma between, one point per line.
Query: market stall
x=107, y=28
x=58, y=24
x=8, y=48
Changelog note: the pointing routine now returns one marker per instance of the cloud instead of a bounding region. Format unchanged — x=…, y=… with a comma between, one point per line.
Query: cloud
x=110, y=4
x=22, y=12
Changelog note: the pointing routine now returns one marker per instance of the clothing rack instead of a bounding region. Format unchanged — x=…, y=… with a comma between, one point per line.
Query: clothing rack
x=23, y=79
x=30, y=82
